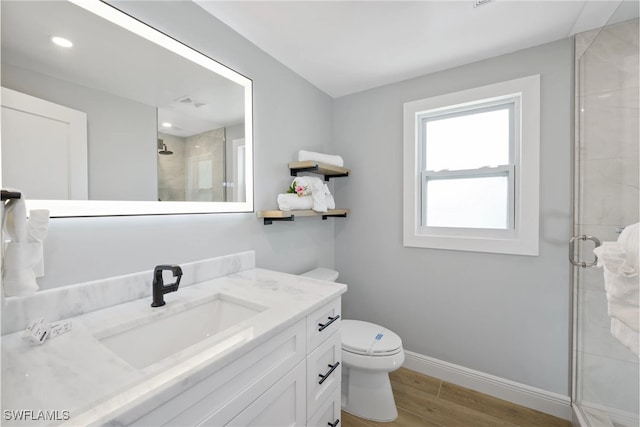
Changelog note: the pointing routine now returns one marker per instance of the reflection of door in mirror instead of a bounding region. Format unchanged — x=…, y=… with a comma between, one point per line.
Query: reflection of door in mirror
x=236, y=166
x=238, y=184
x=44, y=148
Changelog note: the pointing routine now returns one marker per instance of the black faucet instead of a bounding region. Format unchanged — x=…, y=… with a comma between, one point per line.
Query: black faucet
x=159, y=288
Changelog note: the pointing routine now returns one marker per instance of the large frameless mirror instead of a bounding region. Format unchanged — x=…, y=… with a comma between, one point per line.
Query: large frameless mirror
x=104, y=115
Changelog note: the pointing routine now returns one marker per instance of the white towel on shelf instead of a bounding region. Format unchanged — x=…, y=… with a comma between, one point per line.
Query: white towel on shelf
x=330, y=159
x=624, y=334
x=23, y=254
x=293, y=202
x=316, y=187
x=331, y=203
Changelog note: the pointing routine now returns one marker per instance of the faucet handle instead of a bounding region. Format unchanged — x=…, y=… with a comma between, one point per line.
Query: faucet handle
x=175, y=269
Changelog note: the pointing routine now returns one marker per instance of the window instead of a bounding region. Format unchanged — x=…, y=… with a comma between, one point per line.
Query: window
x=471, y=169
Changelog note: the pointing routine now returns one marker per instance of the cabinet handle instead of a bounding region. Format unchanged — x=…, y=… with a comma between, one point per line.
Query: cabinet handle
x=331, y=320
x=325, y=376
x=335, y=423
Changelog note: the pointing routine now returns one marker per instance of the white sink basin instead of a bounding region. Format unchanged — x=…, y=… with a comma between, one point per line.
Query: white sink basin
x=156, y=337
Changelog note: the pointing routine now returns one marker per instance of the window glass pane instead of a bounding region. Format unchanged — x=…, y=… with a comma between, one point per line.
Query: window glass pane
x=468, y=202
x=468, y=142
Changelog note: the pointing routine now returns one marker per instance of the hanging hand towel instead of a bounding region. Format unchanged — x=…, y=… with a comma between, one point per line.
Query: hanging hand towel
x=622, y=284
x=37, y=228
x=620, y=263
x=628, y=337
x=329, y=159
x=24, y=252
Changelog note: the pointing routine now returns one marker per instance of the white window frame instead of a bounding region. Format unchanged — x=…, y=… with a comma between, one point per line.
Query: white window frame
x=522, y=235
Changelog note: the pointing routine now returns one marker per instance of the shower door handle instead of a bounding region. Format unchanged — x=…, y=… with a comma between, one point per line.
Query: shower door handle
x=572, y=251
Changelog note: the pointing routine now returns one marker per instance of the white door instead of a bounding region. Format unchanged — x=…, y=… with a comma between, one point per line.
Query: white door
x=44, y=148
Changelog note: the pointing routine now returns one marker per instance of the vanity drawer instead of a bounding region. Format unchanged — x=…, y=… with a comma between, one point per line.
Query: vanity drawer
x=222, y=395
x=329, y=412
x=324, y=372
x=281, y=405
x=322, y=323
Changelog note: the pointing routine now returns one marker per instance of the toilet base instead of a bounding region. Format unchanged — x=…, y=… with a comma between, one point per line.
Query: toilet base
x=368, y=394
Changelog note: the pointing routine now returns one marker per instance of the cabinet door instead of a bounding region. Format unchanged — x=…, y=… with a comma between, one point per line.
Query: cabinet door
x=280, y=406
x=324, y=371
x=220, y=396
x=329, y=413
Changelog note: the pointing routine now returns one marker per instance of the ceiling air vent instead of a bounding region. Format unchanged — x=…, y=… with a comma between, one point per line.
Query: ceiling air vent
x=478, y=3
x=190, y=100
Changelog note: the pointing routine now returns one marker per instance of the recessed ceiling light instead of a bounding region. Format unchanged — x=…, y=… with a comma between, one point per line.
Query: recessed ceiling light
x=166, y=124
x=61, y=41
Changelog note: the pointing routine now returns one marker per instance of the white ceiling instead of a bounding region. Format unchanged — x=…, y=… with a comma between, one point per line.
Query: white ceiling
x=344, y=47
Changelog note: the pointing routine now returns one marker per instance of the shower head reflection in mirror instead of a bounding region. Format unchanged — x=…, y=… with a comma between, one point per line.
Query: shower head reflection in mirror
x=198, y=97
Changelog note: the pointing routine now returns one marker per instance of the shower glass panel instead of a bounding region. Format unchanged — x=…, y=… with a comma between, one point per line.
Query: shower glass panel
x=605, y=374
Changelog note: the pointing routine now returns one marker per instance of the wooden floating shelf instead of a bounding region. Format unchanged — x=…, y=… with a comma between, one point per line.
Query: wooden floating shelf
x=329, y=171
x=270, y=216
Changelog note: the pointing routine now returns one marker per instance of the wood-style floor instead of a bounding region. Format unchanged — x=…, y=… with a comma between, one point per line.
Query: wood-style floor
x=429, y=402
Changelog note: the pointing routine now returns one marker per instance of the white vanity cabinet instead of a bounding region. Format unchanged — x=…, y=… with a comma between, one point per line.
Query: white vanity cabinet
x=292, y=379
x=324, y=363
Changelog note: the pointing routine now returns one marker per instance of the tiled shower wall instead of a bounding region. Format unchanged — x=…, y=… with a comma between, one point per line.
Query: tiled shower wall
x=606, y=193
x=177, y=177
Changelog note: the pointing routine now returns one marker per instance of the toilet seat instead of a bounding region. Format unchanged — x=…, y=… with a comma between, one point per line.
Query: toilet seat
x=369, y=339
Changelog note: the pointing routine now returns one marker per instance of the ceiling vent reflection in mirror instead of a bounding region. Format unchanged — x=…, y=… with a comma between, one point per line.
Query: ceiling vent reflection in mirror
x=114, y=167
x=190, y=100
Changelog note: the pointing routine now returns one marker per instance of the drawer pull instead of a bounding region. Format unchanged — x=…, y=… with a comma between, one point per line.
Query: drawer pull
x=331, y=320
x=335, y=423
x=325, y=376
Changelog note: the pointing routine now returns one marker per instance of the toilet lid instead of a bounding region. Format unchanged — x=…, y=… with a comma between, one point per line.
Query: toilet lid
x=369, y=339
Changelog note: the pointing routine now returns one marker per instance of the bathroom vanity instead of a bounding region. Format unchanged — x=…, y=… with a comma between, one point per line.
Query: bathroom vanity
x=244, y=346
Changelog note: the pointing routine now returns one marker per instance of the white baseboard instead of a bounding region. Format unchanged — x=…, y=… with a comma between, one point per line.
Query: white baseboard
x=521, y=394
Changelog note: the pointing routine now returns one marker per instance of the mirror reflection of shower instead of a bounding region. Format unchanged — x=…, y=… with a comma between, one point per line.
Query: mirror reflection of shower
x=202, y=167
x=163, y=148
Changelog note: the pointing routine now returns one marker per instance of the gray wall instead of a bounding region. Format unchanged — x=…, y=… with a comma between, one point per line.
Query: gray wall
x=121, y=134
x=504, y=315
x=289, y=114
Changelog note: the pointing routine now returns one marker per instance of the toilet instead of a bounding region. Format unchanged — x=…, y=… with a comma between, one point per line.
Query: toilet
x=369, y=353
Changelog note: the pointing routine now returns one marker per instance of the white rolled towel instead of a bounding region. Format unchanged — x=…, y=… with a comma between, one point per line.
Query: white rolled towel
x=293, y=202
x=331, y=203
x=330, y=159
x=316, y=187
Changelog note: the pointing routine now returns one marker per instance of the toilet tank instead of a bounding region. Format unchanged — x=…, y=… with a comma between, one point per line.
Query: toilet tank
x=322, y=273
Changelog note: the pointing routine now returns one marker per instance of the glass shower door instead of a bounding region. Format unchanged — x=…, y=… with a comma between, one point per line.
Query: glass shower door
x=605, y=372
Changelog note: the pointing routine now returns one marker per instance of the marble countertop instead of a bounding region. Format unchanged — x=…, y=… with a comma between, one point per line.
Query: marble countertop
x=83, y=382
